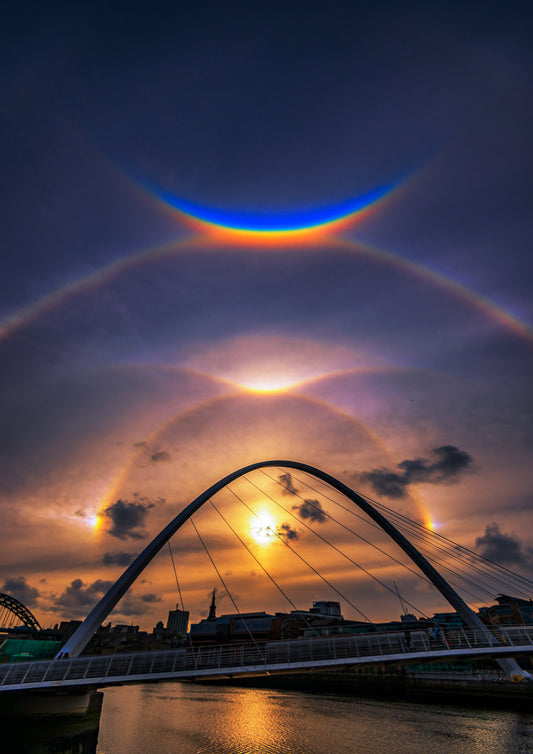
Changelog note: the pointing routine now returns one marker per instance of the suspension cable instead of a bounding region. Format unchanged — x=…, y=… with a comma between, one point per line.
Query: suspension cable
x=313, y=628
x=291, y=603
x=176, y=575
x=480, y=586
x=464, y=552
x=226, y=588
x=351, y=531
x=278, y=587
x=334, y=547
x=346, y=599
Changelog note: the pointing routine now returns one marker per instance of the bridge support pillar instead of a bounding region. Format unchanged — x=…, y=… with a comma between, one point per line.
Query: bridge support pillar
x=45, y=705
x=513, y=670
x=37, y=722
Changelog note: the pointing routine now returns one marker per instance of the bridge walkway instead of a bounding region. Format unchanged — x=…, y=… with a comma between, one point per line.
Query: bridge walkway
x=274, y=657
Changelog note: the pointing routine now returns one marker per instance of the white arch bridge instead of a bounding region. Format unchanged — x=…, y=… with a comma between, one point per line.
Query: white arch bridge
x=69, y=670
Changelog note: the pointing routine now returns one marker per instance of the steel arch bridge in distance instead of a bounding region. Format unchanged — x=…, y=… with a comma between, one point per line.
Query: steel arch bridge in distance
x=11, y=608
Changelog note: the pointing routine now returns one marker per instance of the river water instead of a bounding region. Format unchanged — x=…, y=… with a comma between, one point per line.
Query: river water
x=175, y=718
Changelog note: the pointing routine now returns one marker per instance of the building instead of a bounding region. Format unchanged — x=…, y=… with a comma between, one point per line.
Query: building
x=332, y=609
x=508, y=611
x=236, y=627
x=262, y=626
x=178, y=621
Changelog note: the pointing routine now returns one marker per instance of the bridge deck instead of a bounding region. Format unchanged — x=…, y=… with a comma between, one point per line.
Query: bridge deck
x=270, y=658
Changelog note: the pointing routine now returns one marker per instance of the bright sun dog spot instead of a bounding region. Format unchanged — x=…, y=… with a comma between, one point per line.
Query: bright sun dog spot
x=270, y=384
x=263, y=528
x=81, y=518
x=269, y=363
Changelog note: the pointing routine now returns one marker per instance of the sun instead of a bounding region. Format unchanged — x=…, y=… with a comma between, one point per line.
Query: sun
x=263, y=528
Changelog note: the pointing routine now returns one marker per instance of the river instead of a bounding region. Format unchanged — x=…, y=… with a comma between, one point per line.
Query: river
x=184, y=718
x=174, y=718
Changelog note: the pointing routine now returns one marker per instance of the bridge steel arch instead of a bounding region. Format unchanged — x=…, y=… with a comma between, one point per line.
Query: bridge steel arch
x=79, y=639
x=11, y=605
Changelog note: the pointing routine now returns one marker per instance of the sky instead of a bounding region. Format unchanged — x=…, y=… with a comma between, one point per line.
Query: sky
x=234, y=233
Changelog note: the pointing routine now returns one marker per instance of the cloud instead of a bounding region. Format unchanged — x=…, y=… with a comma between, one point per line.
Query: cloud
x=386, y=483
x=150, y=598
x=312, y=510
x=136, y=604
x=285, y=531
x=288, y=484
x=160, y=455
x=127, y=519
x=118, y=558
x=78, y=597
x=449, y=464
x=18, y=588
x=501, y=547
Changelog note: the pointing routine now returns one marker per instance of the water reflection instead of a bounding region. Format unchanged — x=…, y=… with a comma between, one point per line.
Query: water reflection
x=196, y=719
x=180, y=718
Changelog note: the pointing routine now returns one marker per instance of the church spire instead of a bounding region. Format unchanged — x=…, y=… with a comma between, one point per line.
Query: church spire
x=213, y=607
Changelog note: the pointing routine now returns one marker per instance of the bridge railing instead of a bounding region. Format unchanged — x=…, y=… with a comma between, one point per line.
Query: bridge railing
x=185, y=662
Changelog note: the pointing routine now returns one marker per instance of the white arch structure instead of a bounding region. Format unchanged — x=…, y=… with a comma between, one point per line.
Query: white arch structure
x=79, y=639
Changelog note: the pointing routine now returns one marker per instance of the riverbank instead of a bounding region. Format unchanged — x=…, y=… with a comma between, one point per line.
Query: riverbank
x=417, y=687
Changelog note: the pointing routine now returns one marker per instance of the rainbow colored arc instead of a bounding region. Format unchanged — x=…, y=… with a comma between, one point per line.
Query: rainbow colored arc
x=276, y=223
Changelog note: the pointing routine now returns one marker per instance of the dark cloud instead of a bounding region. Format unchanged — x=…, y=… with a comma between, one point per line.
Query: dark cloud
x=18, y=588
x=127, y=519
x=136, y=604
x=152, y=454
x=78, y=597
x=288, y=484
x=118, y=558
x=449, y=464
x=312, y=510
x=150, y=598
x=384, y=482
x=160, y=455
x=500, y=547
x=285, y=531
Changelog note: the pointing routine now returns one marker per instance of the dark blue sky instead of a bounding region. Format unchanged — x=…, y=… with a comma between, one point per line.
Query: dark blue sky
x=415, y=321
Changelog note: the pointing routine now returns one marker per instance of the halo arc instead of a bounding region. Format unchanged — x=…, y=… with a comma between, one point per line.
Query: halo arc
x=281, y=222
x=115, y=491
x=25, y=316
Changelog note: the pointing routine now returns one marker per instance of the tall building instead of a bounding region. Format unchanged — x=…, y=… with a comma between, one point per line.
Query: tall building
x=327, y=608
x=178, y=621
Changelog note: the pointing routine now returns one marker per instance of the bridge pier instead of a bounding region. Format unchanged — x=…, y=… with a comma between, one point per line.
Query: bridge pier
x=32, y=723
x=72, y=703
